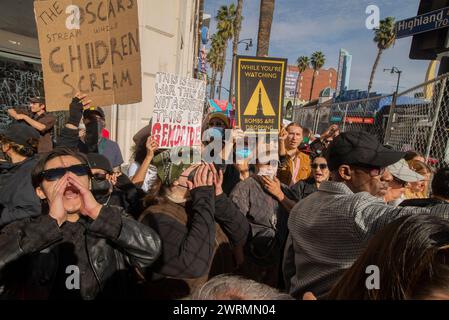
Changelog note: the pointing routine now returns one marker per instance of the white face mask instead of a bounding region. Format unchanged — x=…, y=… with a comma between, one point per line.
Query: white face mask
x=269, y=171
x=150, y=178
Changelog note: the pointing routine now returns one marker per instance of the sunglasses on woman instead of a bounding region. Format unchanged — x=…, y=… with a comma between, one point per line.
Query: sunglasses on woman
x=216, y=124
x=322, y=166
x=57, y=173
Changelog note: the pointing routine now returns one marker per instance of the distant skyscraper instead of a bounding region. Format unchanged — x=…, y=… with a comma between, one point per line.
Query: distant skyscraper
x=291, y=81
x=344, y=71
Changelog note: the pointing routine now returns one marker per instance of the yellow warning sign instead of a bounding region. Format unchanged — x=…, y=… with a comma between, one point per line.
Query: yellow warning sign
x=259, y=104
x=259, y=89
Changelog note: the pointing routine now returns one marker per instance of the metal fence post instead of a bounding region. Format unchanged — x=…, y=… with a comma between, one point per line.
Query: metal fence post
x=435, y=118
x=344, y=118
x=317, y=119
x=390, y=119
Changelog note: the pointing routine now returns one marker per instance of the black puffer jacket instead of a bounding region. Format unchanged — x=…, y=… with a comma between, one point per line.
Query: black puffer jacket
x=18, y=200
x=30, y=251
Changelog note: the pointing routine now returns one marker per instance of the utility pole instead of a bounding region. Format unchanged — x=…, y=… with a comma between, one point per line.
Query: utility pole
x=393, y=104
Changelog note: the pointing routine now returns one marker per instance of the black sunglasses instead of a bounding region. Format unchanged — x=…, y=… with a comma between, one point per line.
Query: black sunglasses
x=373, y=171
x=322, y=166
x=400, y=182
x=100, y=176
x=57, y=173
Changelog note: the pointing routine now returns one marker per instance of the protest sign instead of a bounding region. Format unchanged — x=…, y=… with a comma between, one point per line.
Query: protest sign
x=90, y=47
x=259, y=93
x=178, y=111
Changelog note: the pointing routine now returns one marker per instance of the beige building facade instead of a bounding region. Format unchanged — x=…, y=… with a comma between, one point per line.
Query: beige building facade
x=168, y=36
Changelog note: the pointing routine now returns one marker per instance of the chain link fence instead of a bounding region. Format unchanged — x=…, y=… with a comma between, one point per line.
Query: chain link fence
x=420, y=121
x=417, y=119
x=369, y=115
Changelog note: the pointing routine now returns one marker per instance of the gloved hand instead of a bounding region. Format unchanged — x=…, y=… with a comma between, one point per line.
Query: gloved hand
x=75, y=111
x=78, y=104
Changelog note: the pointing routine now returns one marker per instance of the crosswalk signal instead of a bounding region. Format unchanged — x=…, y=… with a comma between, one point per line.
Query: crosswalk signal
x=427, y=46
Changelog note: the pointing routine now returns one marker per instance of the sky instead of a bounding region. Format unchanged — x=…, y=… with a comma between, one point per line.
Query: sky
x=301, y=27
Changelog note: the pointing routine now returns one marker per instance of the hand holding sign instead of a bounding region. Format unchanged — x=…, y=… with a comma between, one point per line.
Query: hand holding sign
x=76, y=108
x=151, y=145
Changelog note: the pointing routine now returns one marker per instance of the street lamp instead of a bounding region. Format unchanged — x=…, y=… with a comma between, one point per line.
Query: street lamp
x=393, y=70
x=219, y=88
x=249, y=44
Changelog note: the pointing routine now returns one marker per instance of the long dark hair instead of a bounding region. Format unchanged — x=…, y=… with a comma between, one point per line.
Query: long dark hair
x=140, y=150
x=412, y=254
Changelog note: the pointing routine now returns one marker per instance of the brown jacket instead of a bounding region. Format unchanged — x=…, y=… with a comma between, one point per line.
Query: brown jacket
x=286, y=169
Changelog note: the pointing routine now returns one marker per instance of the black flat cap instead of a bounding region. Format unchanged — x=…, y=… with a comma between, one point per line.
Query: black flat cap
x=98, y=161
x=360, y=148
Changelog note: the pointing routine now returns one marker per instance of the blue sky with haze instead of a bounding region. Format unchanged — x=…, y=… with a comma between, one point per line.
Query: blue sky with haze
x=301, y=27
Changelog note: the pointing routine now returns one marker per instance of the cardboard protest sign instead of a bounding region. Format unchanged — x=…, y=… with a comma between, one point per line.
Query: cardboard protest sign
x=178, y=111
x=90, y=47
x=259, y=93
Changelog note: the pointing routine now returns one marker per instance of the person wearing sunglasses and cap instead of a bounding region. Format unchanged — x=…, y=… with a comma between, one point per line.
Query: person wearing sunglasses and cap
x=78, y=248
x=114, y=189
x=17, y=197
x=330, y=228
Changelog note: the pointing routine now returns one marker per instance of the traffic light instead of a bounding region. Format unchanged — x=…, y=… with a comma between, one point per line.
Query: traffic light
x=427, y=46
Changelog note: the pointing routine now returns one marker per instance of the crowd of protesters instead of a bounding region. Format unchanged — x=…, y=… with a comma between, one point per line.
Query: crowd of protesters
x=304, y=225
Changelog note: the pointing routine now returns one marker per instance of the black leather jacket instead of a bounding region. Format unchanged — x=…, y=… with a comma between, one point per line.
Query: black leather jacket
x=114, y=242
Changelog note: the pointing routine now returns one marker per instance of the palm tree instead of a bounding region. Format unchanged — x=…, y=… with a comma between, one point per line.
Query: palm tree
x=225, y=29
x=384, y=37
x=303, y=63
x=237, y=27
x=214, y=57
x=265, y=22
x=318, y=60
